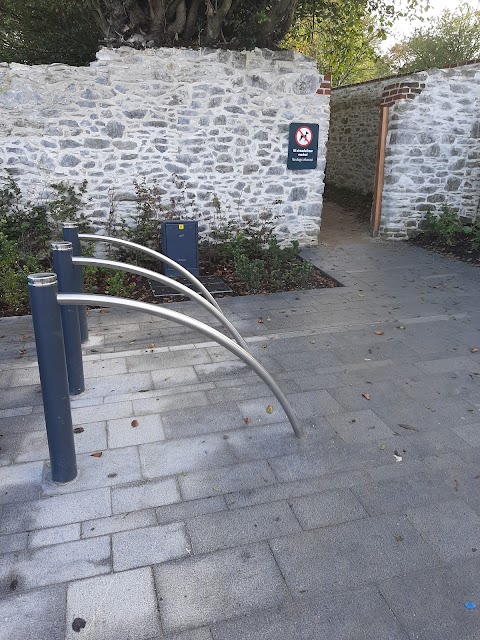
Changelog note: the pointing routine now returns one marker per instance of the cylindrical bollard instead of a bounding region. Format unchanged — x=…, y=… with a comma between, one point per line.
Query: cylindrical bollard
x=70, y=234
x=63, y=267
x=47, y=324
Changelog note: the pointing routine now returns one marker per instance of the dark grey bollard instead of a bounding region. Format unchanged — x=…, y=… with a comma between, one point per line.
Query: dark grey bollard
x=70, y=234
x=63, y=267
x=47, y=324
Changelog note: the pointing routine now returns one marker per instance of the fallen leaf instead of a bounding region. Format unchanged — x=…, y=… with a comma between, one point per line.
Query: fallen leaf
x=78, y=624
x=264, y=346
x=397, y=458
x=134, y=423
x=260, y=321
x=14, y=584
x=97, y=454
x=382, y=447
x=407, y=427
x=247, y=420
x=379, y=333
x=93, y=351
x=366, y=396
x=455, y=485
x=151, y=345
x=474, y=349
x=78, y=430
x=398, y=539
x=270, y=408
x=269, y=319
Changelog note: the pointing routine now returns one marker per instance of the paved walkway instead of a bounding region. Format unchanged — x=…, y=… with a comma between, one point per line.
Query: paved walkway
x=209, y=519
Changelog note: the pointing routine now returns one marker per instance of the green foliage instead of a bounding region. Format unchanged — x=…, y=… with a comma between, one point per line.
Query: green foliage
x=47, y=31
x=446, y=225
x=451, y=38
x=117, y=285
x=13, y=274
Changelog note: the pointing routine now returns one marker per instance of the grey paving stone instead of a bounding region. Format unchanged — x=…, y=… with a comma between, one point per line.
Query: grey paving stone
x=469, y=432
x=431, y=604
x=120, y=605
x=97, y=412
x=22, y=424
x=205, y=589
x=184, y=510
x=346, y=555
x=241, y=526
x=353, y=615
x=308, y=382
x=34, y=446
x=196, y=634
x=170, y=360
x=36, y=615
x=185, y=455
x=112, y=366
x=381, y=393
x=256, y=410
x=219, y=370
x=20, y=397
x=13, y=542
x=400, y=494
x=308, y=359
x=117, y=385
x=360, y=426
x=165, y=378
x=115, y=466
x=171, y=402
x=56, y=511
x=203, y=484
x=301, y=466
x=120, y=522
x=145, y=495
x=148, y=546
x=330, y=507
x=442, y=365
x=286, y=490
x=310, y=403
x=452, y=528
x=268, y=441
x=55, y=535
x=239, y=391
x=121, y=433
x=59, y=563
x=219, y=417
x=20, y=482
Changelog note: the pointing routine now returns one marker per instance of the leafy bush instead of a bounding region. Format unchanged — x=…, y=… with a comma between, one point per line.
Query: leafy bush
x=449, y=229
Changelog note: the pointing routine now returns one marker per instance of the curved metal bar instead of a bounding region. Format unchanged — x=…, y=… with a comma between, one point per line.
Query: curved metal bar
x=111, y=264
x=191, y=323
x=158, y=256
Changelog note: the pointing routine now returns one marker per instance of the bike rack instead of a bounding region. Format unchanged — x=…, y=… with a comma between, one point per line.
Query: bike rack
x=154, y=254
x=152, y=275
x=191, y=323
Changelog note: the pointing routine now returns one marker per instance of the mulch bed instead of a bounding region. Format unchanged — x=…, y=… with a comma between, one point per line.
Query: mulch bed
x=460, y=250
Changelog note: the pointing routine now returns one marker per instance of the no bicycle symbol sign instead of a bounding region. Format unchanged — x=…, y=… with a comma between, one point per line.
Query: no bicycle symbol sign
x=302, y=146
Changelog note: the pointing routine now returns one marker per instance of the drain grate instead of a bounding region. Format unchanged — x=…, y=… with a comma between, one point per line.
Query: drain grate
x=213, y=283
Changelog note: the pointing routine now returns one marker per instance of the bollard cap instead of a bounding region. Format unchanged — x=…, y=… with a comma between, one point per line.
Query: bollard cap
x=70, y=225
x=42, y=279
x=61, y=246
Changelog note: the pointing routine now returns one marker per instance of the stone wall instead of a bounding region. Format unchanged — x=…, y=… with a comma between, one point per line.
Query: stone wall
x=433, y=144
x=352, y=142
x=433, y=148
x=209, y=126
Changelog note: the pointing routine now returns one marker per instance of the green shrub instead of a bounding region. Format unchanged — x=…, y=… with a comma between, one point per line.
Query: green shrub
x=445, y=226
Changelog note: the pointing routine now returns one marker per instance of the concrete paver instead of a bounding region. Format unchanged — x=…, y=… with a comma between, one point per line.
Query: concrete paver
x=210, y=520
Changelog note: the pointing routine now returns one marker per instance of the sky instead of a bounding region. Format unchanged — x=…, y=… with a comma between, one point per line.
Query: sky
x=404, y=27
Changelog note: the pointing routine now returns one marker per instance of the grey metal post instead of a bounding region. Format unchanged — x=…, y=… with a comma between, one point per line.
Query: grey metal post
x=70, y=234
x=47, y=324
x=63, y=267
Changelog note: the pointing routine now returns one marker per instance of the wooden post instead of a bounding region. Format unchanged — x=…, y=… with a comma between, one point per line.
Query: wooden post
x=379, y=171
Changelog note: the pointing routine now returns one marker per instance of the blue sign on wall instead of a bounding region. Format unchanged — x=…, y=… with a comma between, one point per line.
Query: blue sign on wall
x=302, y=146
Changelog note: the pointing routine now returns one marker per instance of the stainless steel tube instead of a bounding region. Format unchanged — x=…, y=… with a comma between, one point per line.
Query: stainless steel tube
x=130, y=268
x=213, y=334
x=158, y=256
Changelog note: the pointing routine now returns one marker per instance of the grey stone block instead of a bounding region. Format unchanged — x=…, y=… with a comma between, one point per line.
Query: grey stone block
x=442, y=365
x=170, y=402
x=55, y=535
x=56, y=511
x=196, y=634
x=324, y=509
x=311, y=403
x=110, y=367
x=144, y=495
x=165, y=378
x=202, y=590
x=431, y=604
x=186, y=455
x=121, y=433
x=452, y=528
x=181, y=423
x=149, y=546
x=314, y=358
x=203, y=484
x=269, y=441
x=34, y=446
x=241, y=526
x=256, y=410
x=345, y=616
x=59, y=563
x=170, y=360
x=346, y=555
x=96, y=412
x=114, y=467
x=360, y=426
x=13, y=542
x=120, y=605
x=36, y=614
x=184, y=510
x=20, y=482
x=220, y=370
x=120, y=522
